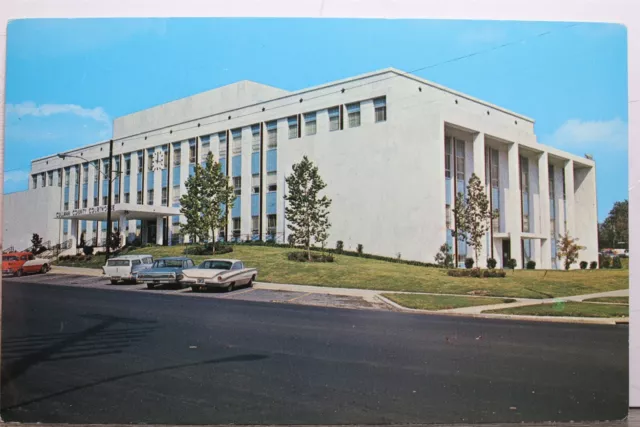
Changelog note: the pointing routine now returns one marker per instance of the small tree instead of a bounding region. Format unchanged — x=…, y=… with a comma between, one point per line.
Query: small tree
x=593, y=265
x=473, y=216
x=444, y=258
x=584, y=265
x=568, y=249
x=606, y=263
x=512, y=264
x=360, y=249
x=339, y=246
x=491, y=263
x=36, y=243
x=617, y=262
x=114, y=241
x=306, y=212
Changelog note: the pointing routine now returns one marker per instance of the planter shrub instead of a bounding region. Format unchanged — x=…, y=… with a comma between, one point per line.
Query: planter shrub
x=605, y=263
x=339, y=246
x=617, y=262
x=531, y=265
x=583, y=265
x=468, y=263
x=491, y=263
x=303, y=257
x=512, y=264
x=360, y=249
x=593, y=265
x=88, y=250
x=476, y=272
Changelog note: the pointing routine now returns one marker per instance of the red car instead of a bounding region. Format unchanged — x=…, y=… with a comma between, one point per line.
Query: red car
x=19, y=263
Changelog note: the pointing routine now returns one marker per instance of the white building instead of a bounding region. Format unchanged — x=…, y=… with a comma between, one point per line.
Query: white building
x=393, y=149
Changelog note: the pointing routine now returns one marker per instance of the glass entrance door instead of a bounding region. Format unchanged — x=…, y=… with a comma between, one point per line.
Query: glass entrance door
x=506, y=252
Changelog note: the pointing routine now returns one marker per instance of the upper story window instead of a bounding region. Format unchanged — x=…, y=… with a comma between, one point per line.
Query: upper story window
x=192, y=151
x=237, y=185
x=564, y=186
x=353, y=112
x=380, y=107
x=255, y=138
x=293, y=127
x=272, y=184
x=460, y=159
x=127, y=165
x=255, y=183
x=552, y=182
x=165, y=158
x=236, y=141
x=495, y=168
x=66, y=177
x=34, y=181
x=50, y=178
x=222, y=144
x=105, y=169
x=310, y=125
x=150, y=159
x=524, y=174
x=140, y=162
x=206, y=147
x=96, y=171
x=44, y=179
x=177, y=154
x=447, y=157
x=272, y=134
x=334, y=118
x=85, y=173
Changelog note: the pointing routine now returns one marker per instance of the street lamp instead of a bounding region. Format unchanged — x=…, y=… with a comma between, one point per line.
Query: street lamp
x=111, y=171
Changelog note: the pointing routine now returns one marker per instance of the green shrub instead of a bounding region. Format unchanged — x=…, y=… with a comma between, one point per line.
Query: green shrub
x=207, y=249
x=617, y=262
x=468, y=262
x=476, y=272
x=88, y=250
x=89, y=257
x=583, y=265
x=512, y=264
x=491, y=263
x=531, y=265
x=339, y=246
x=360, y=249
x=303, y=257
x=605, y=263
x=593, y=265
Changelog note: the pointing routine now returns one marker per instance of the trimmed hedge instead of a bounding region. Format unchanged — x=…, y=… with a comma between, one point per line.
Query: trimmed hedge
x=476, y=272
x=207, y=250
x=303, y=257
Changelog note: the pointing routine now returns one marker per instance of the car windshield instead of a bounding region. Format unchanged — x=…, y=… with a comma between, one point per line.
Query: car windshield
x=162, y=263
x=216, y=265
x=118, y=262
x=10, y=258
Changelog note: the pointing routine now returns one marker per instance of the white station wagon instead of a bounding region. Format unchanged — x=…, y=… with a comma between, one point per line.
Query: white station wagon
x=126, y=267
x=219, y=273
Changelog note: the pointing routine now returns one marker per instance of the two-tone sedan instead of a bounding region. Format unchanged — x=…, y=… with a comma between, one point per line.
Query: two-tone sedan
x=226, y=274
x=166, y=271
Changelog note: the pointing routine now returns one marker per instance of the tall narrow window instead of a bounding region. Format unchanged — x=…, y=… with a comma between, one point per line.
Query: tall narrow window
x=460, y=161
x=255, y=225
x=50, y=178
x=192, y=151
x=255, y=183
x=59, y=177
x=293, y=127
x=66, y=178
x=524, y=187
x=334, y=118
x=272, y=134
x=236, y=141
x=127, y=166
x=205, y=147
x=237, y=185
x=310, y=127
x=380, y=107
x=236, y=227
x=353, y=112
x=44, y=179
x=272, y=182
x=447, y=158
x=139, y=197
x=150, y=160
x=140, y=162
x=150, y=197
x=165, y=196
x=177, y=154
x=34, y=181
x=271, y=225
x=222, y=144
x=255, y=138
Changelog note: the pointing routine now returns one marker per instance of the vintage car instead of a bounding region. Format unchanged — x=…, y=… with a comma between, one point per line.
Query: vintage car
x=126, y=267
x=166, y=271
x=226, y=274
x=19, y=263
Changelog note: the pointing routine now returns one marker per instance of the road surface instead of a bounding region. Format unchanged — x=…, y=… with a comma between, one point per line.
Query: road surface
x=81, y=355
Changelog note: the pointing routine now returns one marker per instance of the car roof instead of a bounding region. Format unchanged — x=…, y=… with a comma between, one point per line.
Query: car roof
x=176, y=258
x=131, y=256
x=222, y=259
x=17, y=253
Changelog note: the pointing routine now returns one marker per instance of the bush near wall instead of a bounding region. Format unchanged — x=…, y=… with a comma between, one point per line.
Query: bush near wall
x=303, y=257
x=207, y=250
x=476, y=272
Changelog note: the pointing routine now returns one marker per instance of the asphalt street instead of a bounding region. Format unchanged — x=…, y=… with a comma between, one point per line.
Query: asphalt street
x=82, y=355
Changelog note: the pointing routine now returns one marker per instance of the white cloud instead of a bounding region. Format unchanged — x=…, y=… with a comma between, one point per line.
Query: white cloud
x=16, y=176
x=575, y=133
x=32, y=109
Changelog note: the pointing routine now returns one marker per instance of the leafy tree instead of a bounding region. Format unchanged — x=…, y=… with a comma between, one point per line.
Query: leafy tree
x=615, y=228
x=473, y=215
x=114, y=241
x=206, y=201
x=36, y=243
x=444, y=258
x=568, y=249
x=306, y=212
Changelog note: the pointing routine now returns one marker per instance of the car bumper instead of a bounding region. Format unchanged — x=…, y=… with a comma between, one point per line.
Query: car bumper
x=205, y=283
x=158, y=281
x=8, y=272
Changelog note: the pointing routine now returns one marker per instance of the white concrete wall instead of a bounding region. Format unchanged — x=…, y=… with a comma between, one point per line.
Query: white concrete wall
x=586, y=213
x=28, y=212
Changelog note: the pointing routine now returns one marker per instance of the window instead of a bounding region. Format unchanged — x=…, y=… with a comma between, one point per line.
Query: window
x=222, y=144
x=76, y=204
x=127, y=198
x=150, y=160
x=165, y=196
x=495, y=168
x=293, y=127
x=236, y=227
x=192, y=151
x=150, y=197
x=96, y=171
x=460, y=157
x=44, y=179
x=139, y=197
x=140, y=162
x=310, y=124
x=353, y=112
x=334, y=118
x=176, y=194
x=448, y=216
x=116, y=198
x=380, y=108
x=271, y=224
x=236, y=141
x=255, y=138
x=255, y=183
x=272, y=182
x=84, y=203
x=85, y=173
x=66, y=206
x=60, y=178
x=66, y=178
x=96, y=200
x=105, y=199
x=524, y=174
x=447, y=157
x=237, y=185
x=127, y=166
x=50, y=178
x=105, y=169
x=206, y=147
x=34, y=181
x=272, y=134
x=255, y=225
x=552, y=183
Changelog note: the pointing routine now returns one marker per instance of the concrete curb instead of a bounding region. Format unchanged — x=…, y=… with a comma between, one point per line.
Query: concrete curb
x=551, y=319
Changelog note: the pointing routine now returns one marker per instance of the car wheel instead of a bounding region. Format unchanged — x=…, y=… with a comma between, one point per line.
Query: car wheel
x=250, y=284
x=114, y=282
x=194, y=289
x=19, y=273
x=229, y=287
x=150, y=285
x=44, y=268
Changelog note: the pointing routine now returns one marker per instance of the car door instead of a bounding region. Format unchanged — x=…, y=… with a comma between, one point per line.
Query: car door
x=23, y=260
x=28, y=267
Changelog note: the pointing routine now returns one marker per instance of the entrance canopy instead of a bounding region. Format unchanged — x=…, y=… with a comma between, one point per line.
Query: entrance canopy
x=130, y=211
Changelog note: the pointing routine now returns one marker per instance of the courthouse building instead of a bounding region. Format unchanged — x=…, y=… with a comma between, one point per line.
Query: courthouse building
x=393, y=149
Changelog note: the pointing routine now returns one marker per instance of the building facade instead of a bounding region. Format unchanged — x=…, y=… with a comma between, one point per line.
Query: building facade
x=394, y=150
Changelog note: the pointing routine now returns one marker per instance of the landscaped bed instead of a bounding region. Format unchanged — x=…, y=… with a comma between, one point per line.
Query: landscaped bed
x=442, y=302
x=615, y=300
x=361, y=273
x=568, y=309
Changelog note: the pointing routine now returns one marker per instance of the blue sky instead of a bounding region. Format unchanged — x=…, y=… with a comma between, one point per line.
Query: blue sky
x=68, y=78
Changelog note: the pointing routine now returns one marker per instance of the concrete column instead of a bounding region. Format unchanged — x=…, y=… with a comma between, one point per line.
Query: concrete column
x=570, y=195
x=514, y=204
x=73, y=234
x=544, y=226
x=122, y=229
x=159, y=230
x=479, y=170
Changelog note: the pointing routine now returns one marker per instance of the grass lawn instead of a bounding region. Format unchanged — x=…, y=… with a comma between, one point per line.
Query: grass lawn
x=618, y=300
x=353, y=272
x=441, y=302
x=569, y=309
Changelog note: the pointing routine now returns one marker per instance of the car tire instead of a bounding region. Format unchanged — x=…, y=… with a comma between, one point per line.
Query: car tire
x=19, y=273
x=194, y=289
x=250, y=284
x=114, y=282
x=44, y=269
x=230, y=287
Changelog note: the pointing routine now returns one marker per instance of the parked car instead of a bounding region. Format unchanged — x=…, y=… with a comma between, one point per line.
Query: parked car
x=166, y=271
x=19, y=263
x=126, y=267
x=219, y=273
